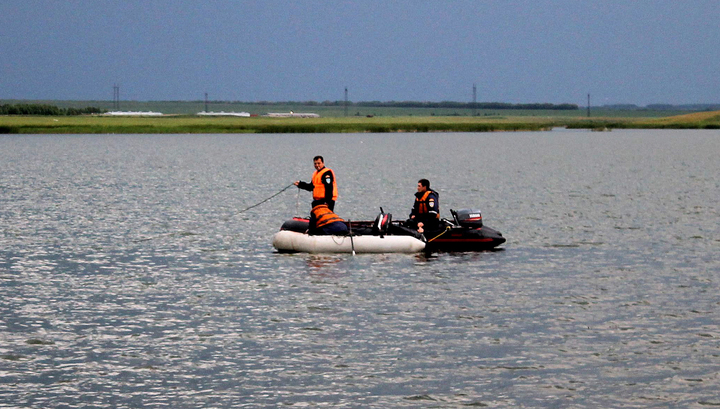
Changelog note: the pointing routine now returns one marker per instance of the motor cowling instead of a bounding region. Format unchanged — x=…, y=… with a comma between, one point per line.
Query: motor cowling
x=471, y=218
x=381, y=224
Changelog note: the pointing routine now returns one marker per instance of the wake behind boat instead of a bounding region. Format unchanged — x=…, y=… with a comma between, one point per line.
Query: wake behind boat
x=465, y=232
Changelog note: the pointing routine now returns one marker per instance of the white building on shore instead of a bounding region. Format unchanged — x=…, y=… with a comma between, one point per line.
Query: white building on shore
x=132, y=113
x=292, y=114
x=222, y=113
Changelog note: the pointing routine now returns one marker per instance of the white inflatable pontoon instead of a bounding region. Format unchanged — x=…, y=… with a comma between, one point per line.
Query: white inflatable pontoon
x=290, y=241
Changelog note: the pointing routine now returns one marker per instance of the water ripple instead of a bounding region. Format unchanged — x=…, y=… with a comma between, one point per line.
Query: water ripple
x=127, y=278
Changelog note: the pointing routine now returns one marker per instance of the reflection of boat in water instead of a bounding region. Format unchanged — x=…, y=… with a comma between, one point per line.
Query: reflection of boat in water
x=465, y=232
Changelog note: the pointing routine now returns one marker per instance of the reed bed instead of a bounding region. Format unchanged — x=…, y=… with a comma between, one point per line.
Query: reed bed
x=239, y=125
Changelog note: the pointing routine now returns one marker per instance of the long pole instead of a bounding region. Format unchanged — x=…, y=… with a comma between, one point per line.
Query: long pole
x=474, y=100
x=116, y=97
x=352, y=243
x=588, y=108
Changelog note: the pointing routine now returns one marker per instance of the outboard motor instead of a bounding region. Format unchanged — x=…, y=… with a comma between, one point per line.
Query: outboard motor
x=470, y=218
x=381, y=224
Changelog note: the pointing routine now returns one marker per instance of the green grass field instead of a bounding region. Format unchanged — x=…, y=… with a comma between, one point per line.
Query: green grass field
x=332, y=120
x=191, y=124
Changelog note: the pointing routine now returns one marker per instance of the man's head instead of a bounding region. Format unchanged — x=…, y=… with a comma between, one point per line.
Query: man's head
x=423, y=185
x=318, y=162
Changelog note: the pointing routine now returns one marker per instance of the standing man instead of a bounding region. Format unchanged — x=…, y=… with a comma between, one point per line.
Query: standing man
x=323, y=185
x=426, y=210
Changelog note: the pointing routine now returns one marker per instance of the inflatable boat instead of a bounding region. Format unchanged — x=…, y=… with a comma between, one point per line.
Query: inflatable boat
x=291, y=241
x=465, y=232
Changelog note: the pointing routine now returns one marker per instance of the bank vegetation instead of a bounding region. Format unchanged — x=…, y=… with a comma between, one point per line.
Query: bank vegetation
x=190, y=124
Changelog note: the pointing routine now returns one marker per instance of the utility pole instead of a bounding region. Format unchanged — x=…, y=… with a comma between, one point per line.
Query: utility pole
x=474, y=111
x=116, y=97
x=588, y=108
x=346, y=102
x=206, y=103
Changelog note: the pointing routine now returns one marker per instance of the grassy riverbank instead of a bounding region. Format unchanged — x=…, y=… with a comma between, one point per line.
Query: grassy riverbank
x=193, y=124
x=189, y=124
x=698, y=120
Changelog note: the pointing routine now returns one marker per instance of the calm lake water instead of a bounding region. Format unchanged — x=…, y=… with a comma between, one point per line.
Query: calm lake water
x=130, y=276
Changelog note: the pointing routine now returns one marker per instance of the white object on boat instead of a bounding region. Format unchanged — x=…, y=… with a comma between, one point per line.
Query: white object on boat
x=287, y=240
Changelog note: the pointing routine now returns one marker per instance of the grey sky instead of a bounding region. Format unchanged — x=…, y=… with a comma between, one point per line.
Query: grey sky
x=634, y=51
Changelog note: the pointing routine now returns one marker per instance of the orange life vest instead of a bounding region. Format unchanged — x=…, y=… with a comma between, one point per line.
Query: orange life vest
x=319, y=187
x=422, y=204
x=323, y=216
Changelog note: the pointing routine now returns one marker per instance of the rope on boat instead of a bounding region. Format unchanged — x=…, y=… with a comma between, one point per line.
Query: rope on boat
x=342, y=239
x=443, y=232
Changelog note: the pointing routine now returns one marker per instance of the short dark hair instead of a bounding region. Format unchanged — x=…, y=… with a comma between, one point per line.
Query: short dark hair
x=319, y=157
x=424, y=182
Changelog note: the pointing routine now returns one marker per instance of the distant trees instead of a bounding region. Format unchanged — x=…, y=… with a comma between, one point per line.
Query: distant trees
x=663, y=107
x=46, y=110
x=425, y=104
x=466, y=105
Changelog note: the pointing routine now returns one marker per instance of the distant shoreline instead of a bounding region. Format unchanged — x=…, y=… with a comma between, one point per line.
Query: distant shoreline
x=238, y=125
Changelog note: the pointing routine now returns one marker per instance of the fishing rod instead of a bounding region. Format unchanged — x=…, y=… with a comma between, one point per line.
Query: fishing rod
x=259, y=203
x=223, y=219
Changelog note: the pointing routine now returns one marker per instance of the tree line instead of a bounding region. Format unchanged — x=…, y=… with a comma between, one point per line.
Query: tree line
x=425, y=104
x=47, y=110
x=467, y=105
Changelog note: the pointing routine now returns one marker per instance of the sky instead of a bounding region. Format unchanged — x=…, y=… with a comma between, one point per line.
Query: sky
x=526, y=51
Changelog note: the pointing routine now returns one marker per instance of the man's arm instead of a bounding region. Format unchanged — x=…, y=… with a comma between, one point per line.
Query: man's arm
x=413, y=211
x=433, y=204
x=304, y=185
x=327, y=180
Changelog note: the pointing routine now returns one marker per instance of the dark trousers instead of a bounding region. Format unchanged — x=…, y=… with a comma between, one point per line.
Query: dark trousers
x=336, y=229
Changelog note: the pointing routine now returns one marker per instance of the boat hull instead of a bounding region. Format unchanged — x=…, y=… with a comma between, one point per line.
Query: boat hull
x=463, y=239
x=287, y=241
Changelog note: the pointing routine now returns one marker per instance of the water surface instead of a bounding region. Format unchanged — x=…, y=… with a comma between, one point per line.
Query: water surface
x=131, y=277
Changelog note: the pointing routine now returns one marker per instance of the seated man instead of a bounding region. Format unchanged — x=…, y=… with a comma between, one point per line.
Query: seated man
x=324, y=222
x=425, y=213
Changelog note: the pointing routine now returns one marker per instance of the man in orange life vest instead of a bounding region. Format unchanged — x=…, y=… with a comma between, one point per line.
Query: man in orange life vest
x=324, y=222
x=426, y=210
x=323, y=185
